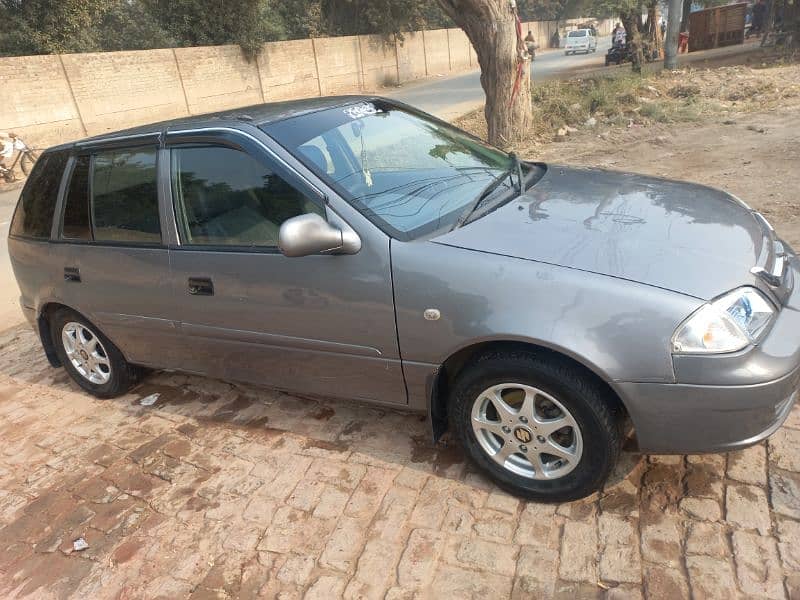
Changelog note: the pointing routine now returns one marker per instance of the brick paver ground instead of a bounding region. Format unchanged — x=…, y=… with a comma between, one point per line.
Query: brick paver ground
x=220, y=490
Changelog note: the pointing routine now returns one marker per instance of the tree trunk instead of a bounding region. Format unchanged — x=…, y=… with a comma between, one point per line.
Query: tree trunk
x=490, y=26
x=655, y=43
x=630, y=21
x=673, y=34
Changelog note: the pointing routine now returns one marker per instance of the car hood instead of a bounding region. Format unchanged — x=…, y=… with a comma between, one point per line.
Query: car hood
x=675, y=235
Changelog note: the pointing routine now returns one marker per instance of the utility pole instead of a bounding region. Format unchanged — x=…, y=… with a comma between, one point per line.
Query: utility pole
x=673, y=31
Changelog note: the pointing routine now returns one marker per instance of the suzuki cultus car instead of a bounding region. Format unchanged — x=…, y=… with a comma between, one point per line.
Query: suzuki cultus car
x=357, y=248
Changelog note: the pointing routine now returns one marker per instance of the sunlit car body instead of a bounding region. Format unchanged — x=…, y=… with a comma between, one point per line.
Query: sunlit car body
x=357, y=248
x=580, y=40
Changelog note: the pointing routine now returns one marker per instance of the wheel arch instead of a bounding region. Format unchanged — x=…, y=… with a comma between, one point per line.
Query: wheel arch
x=442, y=384
x=43, y=318
x=45, y=333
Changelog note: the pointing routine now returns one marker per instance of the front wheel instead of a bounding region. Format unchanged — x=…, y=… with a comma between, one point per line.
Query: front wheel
x=26, y=162
x=536, y=426
x=90, y=358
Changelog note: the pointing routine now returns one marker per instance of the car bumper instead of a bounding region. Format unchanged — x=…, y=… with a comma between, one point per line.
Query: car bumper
x=722, y=402
x=675, y=418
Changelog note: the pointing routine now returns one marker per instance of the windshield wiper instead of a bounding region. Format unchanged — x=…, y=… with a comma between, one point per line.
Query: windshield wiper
x=516, y=165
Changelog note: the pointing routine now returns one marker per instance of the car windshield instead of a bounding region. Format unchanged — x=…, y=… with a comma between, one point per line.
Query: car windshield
x=409, y=174
x=574, y=34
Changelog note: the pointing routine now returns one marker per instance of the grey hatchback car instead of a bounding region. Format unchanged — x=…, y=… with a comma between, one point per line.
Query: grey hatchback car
x=358, y=248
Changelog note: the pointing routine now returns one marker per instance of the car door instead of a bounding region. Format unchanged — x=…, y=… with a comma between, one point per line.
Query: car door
x=321, y=324
x=115, y=263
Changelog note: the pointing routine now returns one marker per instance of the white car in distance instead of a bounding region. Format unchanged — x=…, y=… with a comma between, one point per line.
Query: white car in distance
x=580, y=40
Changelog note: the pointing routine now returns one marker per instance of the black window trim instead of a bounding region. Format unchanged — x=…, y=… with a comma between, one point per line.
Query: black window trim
x=226, y=137
x=91, y=149
x=56, y=206
x=69, y=171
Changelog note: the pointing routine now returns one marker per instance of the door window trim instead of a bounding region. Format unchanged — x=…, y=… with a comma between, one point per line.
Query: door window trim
x=225, y=137
x=90, y=150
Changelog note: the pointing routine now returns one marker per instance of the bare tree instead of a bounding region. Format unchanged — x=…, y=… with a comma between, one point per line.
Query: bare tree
x=491, y=26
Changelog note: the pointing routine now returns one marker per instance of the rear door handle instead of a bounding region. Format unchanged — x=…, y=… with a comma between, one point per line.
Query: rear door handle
x=72, y=274
x=201, y=286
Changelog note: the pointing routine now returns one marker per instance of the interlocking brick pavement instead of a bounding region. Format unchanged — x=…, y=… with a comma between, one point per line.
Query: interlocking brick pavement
x=222, y=490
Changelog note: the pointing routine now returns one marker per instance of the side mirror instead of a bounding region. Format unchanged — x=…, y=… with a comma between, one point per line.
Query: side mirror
x=311, y=234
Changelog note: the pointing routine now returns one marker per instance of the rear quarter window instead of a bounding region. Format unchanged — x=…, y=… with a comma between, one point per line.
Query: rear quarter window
x=34, y=214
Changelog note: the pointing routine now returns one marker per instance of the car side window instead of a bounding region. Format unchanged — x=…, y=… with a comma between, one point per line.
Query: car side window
x=33, y=217
x=77, y=224
x=125, y=196
x=225, y=197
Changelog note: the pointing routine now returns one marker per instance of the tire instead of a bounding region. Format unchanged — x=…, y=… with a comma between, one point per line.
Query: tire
x=26, y=162
x=566, y=53
x=592, y=430
x=110, y=374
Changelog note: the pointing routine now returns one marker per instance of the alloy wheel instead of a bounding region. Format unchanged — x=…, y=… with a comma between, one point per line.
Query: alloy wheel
x=526, y=431
x=86, y=353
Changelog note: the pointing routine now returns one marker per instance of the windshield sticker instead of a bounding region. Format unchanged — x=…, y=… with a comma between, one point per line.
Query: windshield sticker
x=362, y=109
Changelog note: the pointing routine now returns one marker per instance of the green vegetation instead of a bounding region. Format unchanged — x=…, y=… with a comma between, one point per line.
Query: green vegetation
x=51, y=26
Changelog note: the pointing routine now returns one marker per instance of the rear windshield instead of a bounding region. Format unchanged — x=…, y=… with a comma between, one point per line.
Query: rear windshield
x=579, y=33
x=34, y=215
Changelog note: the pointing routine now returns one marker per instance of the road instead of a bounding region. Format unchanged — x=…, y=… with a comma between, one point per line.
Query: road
x=450, y=97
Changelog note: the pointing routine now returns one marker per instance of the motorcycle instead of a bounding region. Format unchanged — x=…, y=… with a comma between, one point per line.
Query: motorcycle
x=618, y=54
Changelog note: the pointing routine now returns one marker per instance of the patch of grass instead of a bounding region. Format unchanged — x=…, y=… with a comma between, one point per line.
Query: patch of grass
x=684, y=90
x=610, y=101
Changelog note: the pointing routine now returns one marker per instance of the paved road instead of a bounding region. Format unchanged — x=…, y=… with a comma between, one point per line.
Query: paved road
x=449, y=97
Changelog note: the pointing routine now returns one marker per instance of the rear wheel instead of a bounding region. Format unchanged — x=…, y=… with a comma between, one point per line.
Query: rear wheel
x=89, y=357
x=538, y=427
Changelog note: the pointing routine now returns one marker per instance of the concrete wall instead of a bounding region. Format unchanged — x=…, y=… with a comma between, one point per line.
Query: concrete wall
x=411, y=56
x=114, y=90
x=378, y=61
x=36, y=101
x=458, y=46
x=288, y=70
x=216, y=78
x=52, y=99
x=338, y=65
x=437, y=51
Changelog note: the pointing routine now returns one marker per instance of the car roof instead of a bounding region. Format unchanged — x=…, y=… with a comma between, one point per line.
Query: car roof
x=257, y=114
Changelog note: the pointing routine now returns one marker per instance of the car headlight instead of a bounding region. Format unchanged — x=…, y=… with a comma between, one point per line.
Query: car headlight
x=727, y=324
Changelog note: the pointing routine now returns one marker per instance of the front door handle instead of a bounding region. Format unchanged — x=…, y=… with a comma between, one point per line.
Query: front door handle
x=201, y=286
x=72, y=274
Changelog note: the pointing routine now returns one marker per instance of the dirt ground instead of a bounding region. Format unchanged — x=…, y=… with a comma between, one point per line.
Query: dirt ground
x=218, y=490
